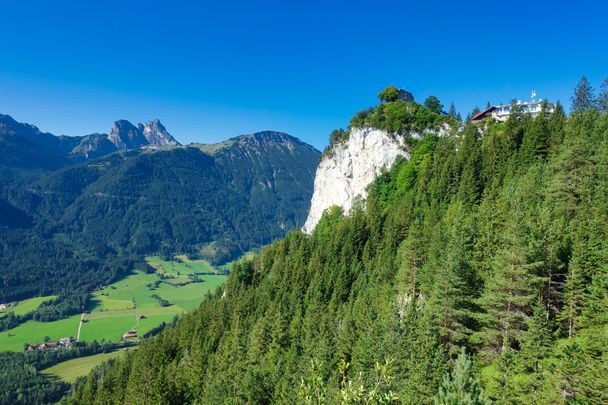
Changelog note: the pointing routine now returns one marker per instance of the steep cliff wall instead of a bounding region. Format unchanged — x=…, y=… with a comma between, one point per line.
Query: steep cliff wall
x=350, y=167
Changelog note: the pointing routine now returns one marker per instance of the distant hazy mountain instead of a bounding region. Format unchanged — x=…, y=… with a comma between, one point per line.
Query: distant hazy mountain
x=78, y=221
x=25, y=146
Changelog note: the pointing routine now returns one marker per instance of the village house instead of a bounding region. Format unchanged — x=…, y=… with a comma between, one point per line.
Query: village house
x=66, y=342
x=131, y=333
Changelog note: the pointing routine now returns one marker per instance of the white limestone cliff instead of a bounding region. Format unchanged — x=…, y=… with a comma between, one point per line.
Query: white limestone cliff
x=344, y=174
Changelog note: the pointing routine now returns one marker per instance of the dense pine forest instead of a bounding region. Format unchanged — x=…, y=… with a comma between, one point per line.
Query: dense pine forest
x=476, y=271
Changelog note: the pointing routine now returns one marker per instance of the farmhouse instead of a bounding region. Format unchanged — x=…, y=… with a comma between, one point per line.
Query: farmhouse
x=66, y=342
x=131, y=333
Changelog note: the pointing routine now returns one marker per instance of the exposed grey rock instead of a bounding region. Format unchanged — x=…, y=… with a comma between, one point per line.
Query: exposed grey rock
x=156, y=134
x=406, y=96
x=125, y=135
x=343, y=175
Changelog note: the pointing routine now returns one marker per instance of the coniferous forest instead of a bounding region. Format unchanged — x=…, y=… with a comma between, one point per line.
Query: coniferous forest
x=475, y=271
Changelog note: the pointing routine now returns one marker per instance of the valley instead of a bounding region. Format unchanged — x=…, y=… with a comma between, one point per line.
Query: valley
x=140, y=302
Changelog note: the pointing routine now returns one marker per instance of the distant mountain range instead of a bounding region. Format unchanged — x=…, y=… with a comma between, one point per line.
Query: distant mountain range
x=25, y=146
x=77, y=212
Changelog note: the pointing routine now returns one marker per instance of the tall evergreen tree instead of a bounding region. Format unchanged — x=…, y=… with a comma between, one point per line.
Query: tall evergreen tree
x=508, y=295
x=583, y=97
x=535, y=143
x=454, y=282
x=433, y=104
x=602, y=99
x=557, y=121
x=469, y=161
x=452, y=112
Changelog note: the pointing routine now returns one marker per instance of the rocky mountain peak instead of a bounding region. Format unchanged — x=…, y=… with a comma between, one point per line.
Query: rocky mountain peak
x=9, y=126
x=156, y=134
x=125, y=135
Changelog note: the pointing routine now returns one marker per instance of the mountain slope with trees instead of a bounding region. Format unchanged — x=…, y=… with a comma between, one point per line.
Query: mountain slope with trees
x=83, y=225
x=476, y=271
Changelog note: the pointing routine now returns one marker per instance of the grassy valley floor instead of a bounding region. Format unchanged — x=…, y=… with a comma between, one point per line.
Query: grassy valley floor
x=139, y=302
x=70, y=370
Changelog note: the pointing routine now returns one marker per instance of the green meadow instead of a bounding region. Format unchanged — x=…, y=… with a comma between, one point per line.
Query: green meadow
x=70, y=370
x=25, y=306
x=129, y=303
x=34, y=332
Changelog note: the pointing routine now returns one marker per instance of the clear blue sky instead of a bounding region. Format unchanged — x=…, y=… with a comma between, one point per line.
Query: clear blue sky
x=211, y=70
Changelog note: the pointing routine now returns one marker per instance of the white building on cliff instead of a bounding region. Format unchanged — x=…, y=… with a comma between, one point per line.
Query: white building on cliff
x=502, y=112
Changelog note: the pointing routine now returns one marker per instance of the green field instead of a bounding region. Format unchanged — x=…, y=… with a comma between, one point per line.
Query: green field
x=126, y=304
x=70, y=370
x=25, y=306
x=34, y=332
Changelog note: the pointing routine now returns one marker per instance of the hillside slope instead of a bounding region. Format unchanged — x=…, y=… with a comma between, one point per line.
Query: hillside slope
x=492, y=240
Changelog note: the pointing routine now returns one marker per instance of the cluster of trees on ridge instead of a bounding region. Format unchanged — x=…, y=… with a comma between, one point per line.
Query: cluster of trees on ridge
x=398, y=114
x=477, y=271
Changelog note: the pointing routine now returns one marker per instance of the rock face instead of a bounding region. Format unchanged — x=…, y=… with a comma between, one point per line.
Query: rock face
x=156, y=134
x=349, y=168
x=125, y=135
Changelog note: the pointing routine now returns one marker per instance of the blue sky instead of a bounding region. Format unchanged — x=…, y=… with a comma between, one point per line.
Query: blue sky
x=211, y=70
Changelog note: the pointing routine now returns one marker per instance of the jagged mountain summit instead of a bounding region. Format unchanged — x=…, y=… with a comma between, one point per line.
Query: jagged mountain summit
x=23, y=145
x=125, y=135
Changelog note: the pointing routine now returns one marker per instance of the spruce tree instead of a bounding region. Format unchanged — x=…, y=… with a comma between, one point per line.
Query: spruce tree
x=469, y=161
x=535, y=143
x=583, y=98
x=433, y=104
x=556, y=122
x=461, y=387
x=454, y=282
x=452, y=112
x=602, y=99
x=508, y=295
x=537, y=339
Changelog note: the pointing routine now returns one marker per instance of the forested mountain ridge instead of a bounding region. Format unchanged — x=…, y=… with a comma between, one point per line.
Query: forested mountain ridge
x=81, y=225
x=491, y=240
